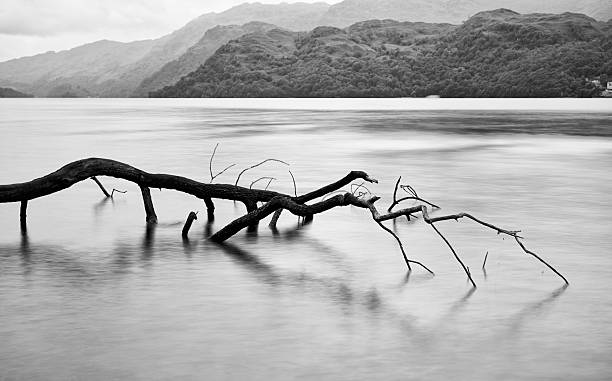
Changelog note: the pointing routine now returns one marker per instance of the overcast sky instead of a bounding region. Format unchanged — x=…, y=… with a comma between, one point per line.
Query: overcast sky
x=29, y=27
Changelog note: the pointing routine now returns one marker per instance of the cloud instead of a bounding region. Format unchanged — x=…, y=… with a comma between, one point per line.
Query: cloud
x=48, y=18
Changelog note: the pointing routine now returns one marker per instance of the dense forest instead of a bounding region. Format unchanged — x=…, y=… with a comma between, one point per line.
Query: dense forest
x=493, y=54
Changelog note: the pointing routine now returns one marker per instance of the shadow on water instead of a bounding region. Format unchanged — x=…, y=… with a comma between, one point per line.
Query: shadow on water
x=415, y=278
x=99, y=206
x=340, y=291
x=533, y=310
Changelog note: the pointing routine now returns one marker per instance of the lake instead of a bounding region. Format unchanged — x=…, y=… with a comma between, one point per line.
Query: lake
x=91, y=293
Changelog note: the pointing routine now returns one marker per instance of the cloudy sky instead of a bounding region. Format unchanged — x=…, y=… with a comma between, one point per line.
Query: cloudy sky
x=30, y=27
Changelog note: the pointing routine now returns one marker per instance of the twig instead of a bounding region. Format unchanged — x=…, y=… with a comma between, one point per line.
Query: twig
x=269, y=182
x=485, y=260
x=411, y=198
x=539, y=259
x=95, y=179
x=211, y=160
x=395, y=189
x=410, y=190
x=512, y=233
x=357, y=187
x=262, y=178
x=213, y=177
x=223, y=171
x=257, y=165
x=401, y=246
x=116, y=190
x=467, y=271
x=294, y=184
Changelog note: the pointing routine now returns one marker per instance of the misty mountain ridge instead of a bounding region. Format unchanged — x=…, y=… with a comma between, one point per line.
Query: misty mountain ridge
x=110, y=68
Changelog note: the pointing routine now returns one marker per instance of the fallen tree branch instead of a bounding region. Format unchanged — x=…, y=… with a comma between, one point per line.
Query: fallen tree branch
x=273, y=202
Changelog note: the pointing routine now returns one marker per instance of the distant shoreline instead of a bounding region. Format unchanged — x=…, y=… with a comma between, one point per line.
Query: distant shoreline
x=365, y=104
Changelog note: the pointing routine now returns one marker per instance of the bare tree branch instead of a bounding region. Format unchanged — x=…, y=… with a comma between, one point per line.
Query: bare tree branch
x=274, y=202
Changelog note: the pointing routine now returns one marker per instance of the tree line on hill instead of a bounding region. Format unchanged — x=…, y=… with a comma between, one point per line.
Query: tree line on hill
x=493, y=54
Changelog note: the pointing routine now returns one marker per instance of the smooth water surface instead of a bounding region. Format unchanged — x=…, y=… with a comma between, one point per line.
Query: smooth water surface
x=90, y=293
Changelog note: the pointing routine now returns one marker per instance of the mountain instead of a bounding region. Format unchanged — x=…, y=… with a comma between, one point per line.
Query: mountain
x=497, y=53
x=116, y=69
x=196, y=55
x=6, y=92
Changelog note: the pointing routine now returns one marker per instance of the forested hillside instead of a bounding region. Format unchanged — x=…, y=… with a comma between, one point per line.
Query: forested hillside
x=493, y=54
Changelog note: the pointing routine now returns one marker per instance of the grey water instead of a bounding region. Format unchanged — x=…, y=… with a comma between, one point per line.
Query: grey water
x=90, y=293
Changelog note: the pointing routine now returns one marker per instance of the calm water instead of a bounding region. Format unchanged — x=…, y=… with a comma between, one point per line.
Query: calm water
x=90, y=294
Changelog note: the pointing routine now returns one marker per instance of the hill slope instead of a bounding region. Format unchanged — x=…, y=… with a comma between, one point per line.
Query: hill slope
x=494, y=54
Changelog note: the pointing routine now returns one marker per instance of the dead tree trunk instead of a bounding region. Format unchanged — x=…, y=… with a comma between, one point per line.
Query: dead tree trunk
x=273, y=202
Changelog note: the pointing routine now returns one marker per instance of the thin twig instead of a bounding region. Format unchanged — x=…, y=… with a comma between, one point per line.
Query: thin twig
x=118, y=191
x=538, y=258
x=262, y=178
x=95, y=179
x=485, y=260
x=401, y=246
x=294, y=184
x=395, y=189
x=257, y=165
x=213, y=177
x=409, y=189
x=411, y=198
x=211, y=160
x=357, y=187
x=467, y=271
x=222, y=172
x=269, y=182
